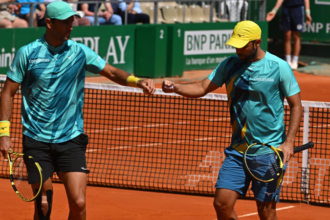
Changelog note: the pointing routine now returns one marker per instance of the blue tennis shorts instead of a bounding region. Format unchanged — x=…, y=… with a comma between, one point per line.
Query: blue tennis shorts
x=234, y=176
x=292, y=19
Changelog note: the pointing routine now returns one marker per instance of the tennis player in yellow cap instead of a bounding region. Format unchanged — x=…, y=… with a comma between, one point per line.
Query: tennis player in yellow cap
x=256, y=83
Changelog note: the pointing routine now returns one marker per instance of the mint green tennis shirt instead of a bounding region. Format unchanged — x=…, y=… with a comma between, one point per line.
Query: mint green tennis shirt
x=52, y=82
x=256, y=94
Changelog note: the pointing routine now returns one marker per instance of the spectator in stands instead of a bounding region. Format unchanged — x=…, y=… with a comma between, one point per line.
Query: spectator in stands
x=82, y=21
x=7, y=20
x=292, y=23
x=134, y=12
x=106, y=17
x=38, y=17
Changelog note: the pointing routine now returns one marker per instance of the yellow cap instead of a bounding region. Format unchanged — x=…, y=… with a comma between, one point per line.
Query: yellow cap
x=244, y=32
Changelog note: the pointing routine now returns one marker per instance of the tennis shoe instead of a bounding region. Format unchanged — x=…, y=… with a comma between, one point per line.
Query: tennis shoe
x=294, y=65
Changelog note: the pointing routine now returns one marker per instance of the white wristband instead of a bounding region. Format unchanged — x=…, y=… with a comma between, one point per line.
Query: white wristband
x=274, y=10
x=308, y=11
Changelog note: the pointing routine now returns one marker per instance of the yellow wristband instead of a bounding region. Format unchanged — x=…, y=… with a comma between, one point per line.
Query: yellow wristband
x=132, y=81
x=4, y=128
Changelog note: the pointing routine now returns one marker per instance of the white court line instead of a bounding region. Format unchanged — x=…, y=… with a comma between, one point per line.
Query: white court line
x=96, y=131
x=151, y=126
x=156, y=125
x=152, y=144
x=92, y=150
x=256, y=213
x=219, y=119
x=124, y=128
x=321, y=126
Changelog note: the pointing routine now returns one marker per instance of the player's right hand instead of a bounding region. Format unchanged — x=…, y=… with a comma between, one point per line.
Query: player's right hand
x=270, y=16
x=308, y=19
x=5, y=145
x=168, y=86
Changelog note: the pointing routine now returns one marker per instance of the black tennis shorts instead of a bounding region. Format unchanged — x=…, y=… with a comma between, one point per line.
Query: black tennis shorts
x=58, y=157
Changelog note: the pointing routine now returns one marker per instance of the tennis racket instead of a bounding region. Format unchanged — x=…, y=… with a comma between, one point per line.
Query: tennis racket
x=266, y=167
x=25, y=176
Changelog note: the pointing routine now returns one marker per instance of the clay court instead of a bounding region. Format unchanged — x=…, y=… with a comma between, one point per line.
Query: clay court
x=122, y=204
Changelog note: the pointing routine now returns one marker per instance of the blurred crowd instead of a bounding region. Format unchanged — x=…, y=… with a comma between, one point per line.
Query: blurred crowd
x=17, y=14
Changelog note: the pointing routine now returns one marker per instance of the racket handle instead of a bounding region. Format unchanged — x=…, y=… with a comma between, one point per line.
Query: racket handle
x=304, y=147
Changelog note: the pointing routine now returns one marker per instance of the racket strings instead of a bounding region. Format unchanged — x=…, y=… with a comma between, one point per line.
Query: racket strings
x=264, y=167
x=25, y=173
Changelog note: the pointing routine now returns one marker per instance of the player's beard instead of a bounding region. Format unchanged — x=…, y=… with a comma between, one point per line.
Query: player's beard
x=251, y=56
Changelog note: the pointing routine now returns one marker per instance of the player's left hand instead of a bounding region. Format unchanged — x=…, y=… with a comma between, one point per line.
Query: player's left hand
x=147, y=85
x=270, y=16
x=308, y=19
x=287, y=150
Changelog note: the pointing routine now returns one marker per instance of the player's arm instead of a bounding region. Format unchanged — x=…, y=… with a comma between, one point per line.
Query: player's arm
x=308, y=13
x=6, y=109
x=190, y=90
x=272, y=13
x=294, y=121
x=123, y=78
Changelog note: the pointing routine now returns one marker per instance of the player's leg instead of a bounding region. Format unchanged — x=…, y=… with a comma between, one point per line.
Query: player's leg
x=286, y=27
x=267, y=210
x=71, y=167
x=267, y=195
x=287, y=45
x=297, y=15
x=224, y=202
x=297, y=43
x=41, y=152
x=232, y=182
x=43, y=203
x=75, y=185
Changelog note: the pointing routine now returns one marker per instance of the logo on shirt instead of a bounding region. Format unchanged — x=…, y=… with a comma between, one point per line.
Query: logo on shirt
x=263, y=79
x=39, y=60
x=98, y=59
x=294, y=85
x=240, y=35
x=12, y=69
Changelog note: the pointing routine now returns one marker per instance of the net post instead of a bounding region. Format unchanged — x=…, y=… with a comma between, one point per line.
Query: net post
x=305, y=165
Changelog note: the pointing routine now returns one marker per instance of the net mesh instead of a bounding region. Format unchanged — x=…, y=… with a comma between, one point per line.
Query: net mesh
x=174, y=144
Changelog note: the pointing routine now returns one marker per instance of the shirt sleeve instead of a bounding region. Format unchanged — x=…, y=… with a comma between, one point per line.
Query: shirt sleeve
x=218, y=74
x=122, y=5
x=288, y=83
x=137, y=8
x=94, y=63
x=19, y=66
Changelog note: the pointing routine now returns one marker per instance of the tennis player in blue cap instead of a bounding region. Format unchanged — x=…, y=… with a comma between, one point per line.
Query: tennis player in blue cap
x=51, y=73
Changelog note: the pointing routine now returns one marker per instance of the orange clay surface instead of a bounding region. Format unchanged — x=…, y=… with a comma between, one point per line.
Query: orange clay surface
x=105, y=203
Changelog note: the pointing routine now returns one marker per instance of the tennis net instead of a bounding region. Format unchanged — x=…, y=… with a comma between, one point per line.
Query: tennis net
x=166, y=142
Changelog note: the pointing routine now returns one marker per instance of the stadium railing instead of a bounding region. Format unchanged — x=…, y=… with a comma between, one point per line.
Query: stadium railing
x=215, y=10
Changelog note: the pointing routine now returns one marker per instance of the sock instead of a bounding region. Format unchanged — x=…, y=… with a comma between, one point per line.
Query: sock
x=295, y=59
x=288, y=58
